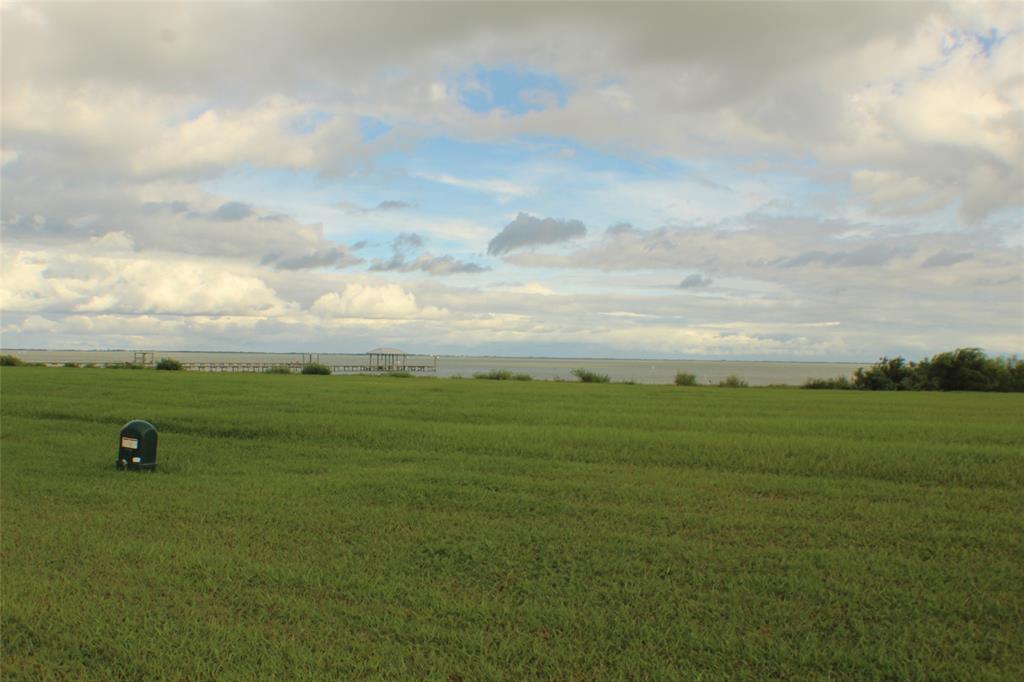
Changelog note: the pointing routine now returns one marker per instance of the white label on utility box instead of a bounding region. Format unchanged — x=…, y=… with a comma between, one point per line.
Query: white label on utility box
x=127, y=442
x=136, y=460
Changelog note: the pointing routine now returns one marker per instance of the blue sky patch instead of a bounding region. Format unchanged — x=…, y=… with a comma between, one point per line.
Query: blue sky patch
x=371, y=128
x=989, y=41
x=516, y=91
x=309, y=122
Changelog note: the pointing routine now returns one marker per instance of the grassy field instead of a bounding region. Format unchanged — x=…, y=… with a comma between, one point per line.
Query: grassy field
x=356, y=527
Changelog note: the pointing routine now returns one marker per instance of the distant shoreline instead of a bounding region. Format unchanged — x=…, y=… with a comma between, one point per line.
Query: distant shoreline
x=443, y=355
x=632, y=370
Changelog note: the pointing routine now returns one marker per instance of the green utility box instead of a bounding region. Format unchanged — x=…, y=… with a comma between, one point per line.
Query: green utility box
x=136, y=450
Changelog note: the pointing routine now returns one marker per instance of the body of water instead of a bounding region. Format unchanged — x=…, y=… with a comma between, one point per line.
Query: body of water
x=756, y=373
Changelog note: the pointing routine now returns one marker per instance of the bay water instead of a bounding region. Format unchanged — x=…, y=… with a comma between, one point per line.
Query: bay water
x=756, y=373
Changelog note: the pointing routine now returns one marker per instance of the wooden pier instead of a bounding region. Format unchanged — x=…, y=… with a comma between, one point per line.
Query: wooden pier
x=296, y=367
x=378, y=361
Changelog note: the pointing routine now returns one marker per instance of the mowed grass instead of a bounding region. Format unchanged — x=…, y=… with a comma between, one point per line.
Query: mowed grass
x=304, y=527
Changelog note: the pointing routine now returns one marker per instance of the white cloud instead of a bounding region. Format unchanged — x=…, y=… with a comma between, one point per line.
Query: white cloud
x=501, y=188
x=894, y=126
x=146, y=135
x=529, y=288
x=106, y=276
x=373, y=301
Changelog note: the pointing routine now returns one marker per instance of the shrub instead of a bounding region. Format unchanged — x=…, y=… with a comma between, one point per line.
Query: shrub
x=169, y=364
x=589, y=377
x=401, y=374
x=732, y=381
x=11, y=361
x=894, y=374
x=316, y=368
x=842, y=383
x=686, y=379
x=502, y=375
x=279, y=369
x=1009, y=373
x=963, y=369
x=123, y=365
x=494, y=375
x=70, y=364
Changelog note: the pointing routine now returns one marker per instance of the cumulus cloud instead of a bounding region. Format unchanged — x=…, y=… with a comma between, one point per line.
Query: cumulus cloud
x=232, y=211
x=407, y=240
x=406, y=243
x=527, y=230
x=107, y=277
x=695, y=281
x=890, y=139
x=170, y=217
x=432, y=265
x=373, y=301
x=335, y=256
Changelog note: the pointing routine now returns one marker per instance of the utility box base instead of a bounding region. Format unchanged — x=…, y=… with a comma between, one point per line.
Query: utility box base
x=136, y=450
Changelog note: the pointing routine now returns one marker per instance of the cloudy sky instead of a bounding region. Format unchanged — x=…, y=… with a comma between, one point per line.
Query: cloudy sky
x=764, y=181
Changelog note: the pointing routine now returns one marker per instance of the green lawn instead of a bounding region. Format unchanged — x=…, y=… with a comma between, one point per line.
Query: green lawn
x=351, y=527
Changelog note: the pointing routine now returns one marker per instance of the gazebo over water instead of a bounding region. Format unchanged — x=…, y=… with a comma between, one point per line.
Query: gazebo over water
x=388, y=360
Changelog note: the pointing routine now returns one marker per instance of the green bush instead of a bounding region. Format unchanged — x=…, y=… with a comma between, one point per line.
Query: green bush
x=279, y=369
x=842, y=383
x=316, y=368
x=894, y=374
x=11, y=361
x=70, y=364
x=521, y=376
x=401, y=374
x=169, y=364
x=123, y=365
x=686, y=379
x=733, y=381
x=589, y=377
x=963, y=369
x=494, y=375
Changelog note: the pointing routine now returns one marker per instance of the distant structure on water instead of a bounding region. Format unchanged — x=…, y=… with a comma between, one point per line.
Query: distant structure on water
x=387, y=360
x=378, y=360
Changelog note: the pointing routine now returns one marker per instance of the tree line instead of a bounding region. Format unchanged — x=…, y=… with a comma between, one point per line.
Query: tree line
x=963, y=369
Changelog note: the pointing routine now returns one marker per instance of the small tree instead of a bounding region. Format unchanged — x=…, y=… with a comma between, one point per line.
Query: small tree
x=169, y=364
x=964, y=369
x=894, y=374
